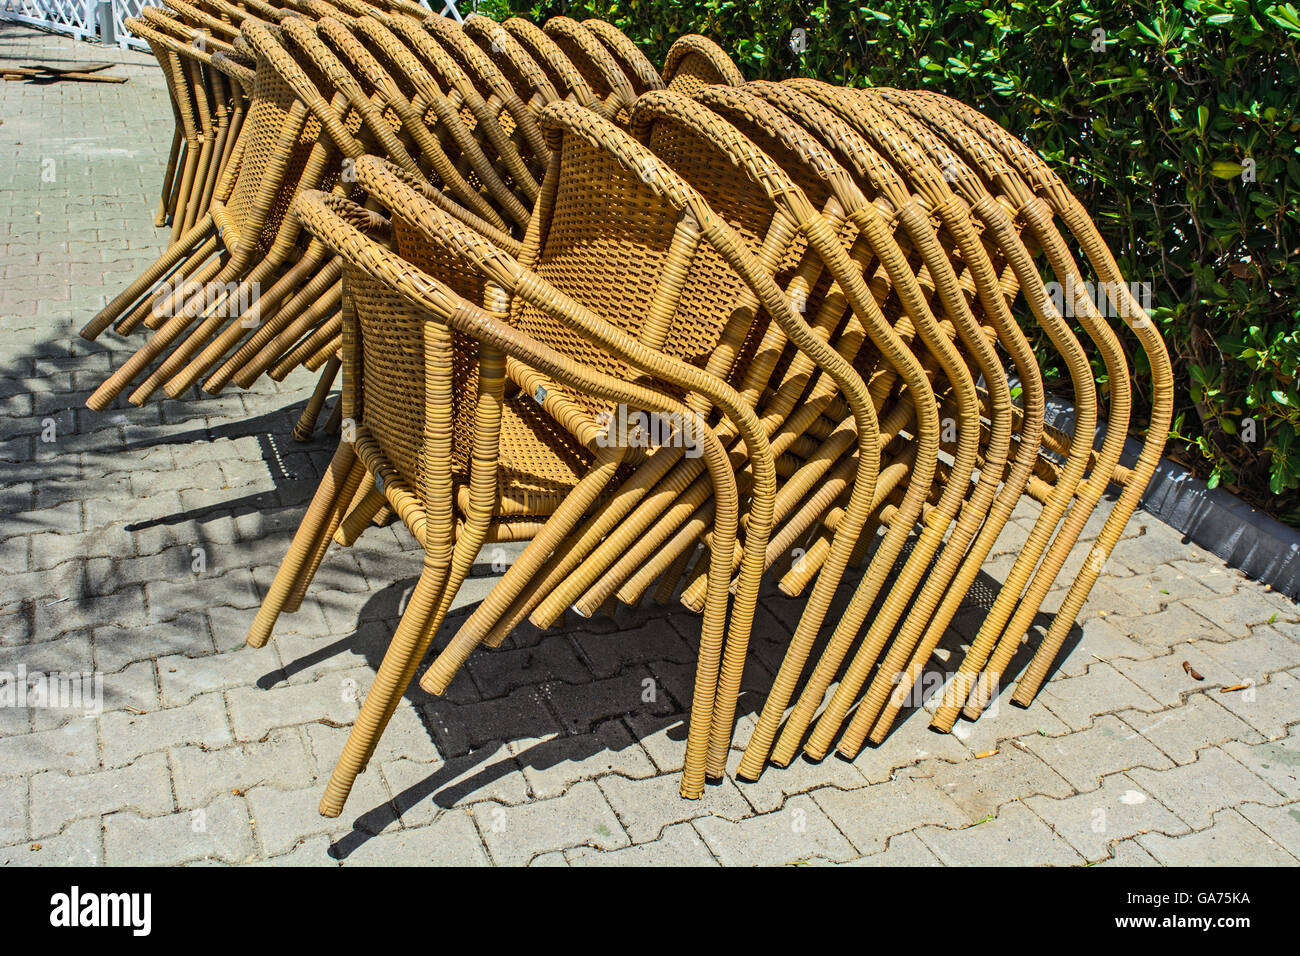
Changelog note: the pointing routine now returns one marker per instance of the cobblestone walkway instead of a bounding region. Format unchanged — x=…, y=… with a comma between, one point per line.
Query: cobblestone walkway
x=560, y=748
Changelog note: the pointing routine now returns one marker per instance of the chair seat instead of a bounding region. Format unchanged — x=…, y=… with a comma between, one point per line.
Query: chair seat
x=540, y=461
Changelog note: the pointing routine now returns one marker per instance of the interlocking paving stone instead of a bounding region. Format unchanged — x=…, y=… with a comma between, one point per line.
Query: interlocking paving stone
x=1183, y=730
x=1238, y=613
x=78, y=844
x=1003, y=720
x=422, y=790
x=582, y=817
x=284, y=818
x=199, y=774
x=1197, y=791
x=459, y=728
x=1231, y=841
x=1279, y=824
x=13, y=810
x=909, y=742
x=1129, y=853
x=1270, y=707
x=1263, y=651
x=1085, y=756
x=97, y=552
x=406, y=736
x=126, y=736
x=219, y=831
x=870, y=816
x=798, y=832
x=646, y=807
x=905, y=849
x=117, y=646
x=979, y=788
x=771, y=790
x=656, y=640
x=143, y=786
x=554, y=764
x=71, y=747
x=680, y=845
x=1014, y=838
x=451, y=840
x=498, y=672
x=1276, y=762
x=1119, y=809
x=1167, y=679
x=254, y=711
x=1103, y=690
x=1176, y=624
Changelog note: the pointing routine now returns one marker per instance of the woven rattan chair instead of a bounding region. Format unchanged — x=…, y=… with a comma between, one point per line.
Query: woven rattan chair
x=984, y=276
x=202, y=104
x=537, y=306
x=274, y=145
x=705, y=152
x=857, y=155
x=888, y=678
x=1066, y=492
x=286, y=151
x=564, y=76
x=516, y=64
x=1041, y=198
x=406, y=90
x=515, y=118
x=506, y=131
x=315, y=329
x=739, y=105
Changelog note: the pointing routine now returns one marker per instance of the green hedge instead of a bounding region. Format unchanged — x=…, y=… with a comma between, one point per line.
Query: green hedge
x=1155, y=130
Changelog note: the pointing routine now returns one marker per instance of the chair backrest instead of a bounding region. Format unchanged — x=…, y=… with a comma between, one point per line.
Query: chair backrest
x=280, y=134
x=694, y=61
x=559, y=69
x=593, y=61
x=516, y=64
x=637, y=67
x=515, y=118
x=384, y=67
x=476, y=126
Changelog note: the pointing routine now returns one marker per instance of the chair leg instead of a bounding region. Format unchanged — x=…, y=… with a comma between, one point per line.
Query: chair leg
x=307, y=423
x=395, y=671
x=366, y=509
x=323, y=505
x=335, y=421
x=165, y=264
x=164, y=201
x=349, y=491
x=557, y=528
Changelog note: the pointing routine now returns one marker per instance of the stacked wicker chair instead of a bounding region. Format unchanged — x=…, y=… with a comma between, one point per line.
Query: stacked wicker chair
x=509, y=236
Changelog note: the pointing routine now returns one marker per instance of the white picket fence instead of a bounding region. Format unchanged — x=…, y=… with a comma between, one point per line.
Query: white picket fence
x=80, y=18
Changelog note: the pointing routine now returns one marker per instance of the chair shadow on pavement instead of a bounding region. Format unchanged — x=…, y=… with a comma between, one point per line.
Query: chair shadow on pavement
x=470, y=738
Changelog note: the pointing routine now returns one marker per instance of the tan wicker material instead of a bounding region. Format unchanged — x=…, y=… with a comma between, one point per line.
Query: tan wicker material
x=1044, y=197
x=639, y=71
x=559, y=69
x=205, y=101
x=596, y=65
x=235, y=241
x=505, y=236
x=515, y=118
x=694, y=61
x=518, y=66
x=424, y=497
x=985, y=278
